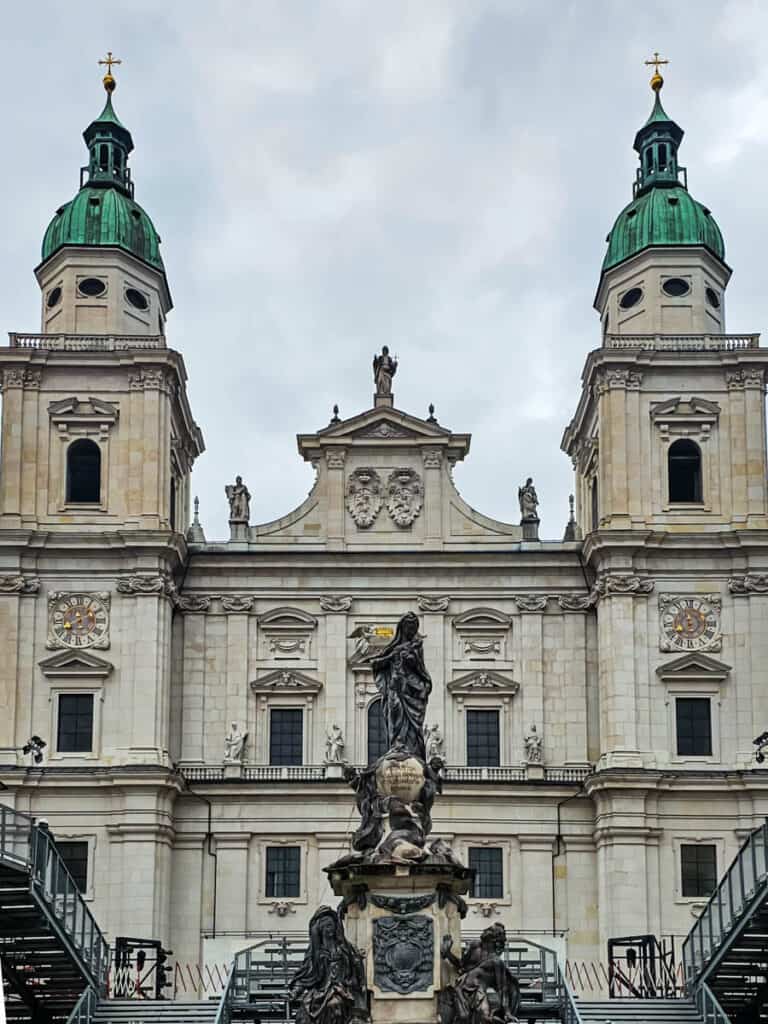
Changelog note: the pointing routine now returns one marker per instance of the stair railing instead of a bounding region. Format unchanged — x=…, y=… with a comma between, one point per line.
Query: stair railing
x=729, y=905
x=224, y=1010
x=85, y=1007
x=710, y=1010
x=568, y=1005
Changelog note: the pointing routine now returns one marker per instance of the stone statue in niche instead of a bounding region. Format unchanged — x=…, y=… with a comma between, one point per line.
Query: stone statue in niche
x=239, y=498
x=485, y=991
x=384, y=369
x=329, y=987
x=405, y=685
x=234, y=744
x=364, y=496
x=533, y=750
x=529, y=501
x=334, y=745
x=434, y=741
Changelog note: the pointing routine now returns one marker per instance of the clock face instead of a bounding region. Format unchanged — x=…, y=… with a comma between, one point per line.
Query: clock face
x=79, y=620
x=690, y=623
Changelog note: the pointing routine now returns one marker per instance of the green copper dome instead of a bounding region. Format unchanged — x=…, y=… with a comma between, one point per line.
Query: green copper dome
x=663, y=212
x=108, y=217
x=104, y=213
x=662, y=216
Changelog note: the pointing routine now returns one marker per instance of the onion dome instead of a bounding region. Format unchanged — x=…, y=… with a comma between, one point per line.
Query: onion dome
x=104, y=212
x=662, y=211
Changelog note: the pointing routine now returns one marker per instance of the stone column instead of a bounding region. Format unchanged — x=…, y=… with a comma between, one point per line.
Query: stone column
x=754, y=409
x=9, y=644
x=531, y=679
x=536, y=881
x=193, y=700
x=232, y=888
x=336, y=610
x=13, y=435
x=335, y=458
x=576, y=893
x=237, y=672
x=433, y=504
x=186, y=920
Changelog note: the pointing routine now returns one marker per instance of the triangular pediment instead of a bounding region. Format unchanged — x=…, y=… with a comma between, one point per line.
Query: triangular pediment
x=75, y=665
x=693, y=666
x=485, y=681
x=92, y=408
x=286, y=681
x=686, y=407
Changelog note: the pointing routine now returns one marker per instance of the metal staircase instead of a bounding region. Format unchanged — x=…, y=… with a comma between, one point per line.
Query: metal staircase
x=727, y=949
x=54, y=956
x=133, y=1011
x=640, y=1011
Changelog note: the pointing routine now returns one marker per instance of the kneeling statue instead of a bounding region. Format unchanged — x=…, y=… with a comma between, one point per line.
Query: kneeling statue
x=329, y=987
x=486, y=991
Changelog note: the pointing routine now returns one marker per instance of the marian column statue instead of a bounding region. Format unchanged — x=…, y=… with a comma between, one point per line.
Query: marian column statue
x=330, y=987
x=405, y=686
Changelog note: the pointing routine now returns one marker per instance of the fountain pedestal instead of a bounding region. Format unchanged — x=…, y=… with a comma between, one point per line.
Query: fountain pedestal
x=399, y=915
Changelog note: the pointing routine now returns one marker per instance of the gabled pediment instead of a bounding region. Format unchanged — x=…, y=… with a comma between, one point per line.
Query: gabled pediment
x=692, y=667
x=75, y=665
x=286, y=681
x=484, y=682
x=689, y=407
x=74, y=408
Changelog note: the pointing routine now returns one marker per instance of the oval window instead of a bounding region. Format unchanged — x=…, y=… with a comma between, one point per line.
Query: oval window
x=631, y=298
x=712, y=298
x=137, y=298
x=54, y=297
x=676, y=287
x=92, y=286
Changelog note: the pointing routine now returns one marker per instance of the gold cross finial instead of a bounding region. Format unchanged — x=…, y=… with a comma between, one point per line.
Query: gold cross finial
x=109, y=81
x=656, y=80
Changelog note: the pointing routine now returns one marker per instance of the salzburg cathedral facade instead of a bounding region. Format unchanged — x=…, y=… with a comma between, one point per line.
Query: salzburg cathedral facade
x=594, y=697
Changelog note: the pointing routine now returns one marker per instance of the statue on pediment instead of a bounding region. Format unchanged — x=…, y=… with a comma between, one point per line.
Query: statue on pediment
x=239, y=498
x=384, y=369
x=529, y=501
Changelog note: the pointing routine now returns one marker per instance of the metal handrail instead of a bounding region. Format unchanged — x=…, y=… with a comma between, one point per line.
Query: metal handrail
x=744, y=883
x=223, y=1012
x=568, y=1003
x=27, y=847
x=85, y=1007
x=710, y=1010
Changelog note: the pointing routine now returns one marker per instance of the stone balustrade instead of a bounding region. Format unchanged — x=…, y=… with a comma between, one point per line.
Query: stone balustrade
x=683, y=342
x=86, y=342
x=318, y=773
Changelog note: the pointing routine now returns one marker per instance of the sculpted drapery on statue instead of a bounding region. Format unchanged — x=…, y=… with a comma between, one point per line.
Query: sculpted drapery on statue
x=239, y=499
x=330, y=987
x=405, y=686
x=486, y=991
x=384, y=369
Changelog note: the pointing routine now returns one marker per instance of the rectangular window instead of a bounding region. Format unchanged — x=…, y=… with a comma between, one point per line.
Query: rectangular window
x=286, y=736
x=75, y=856
x=75, y=729
x=488, y=863
x=694, y=726
x=698, y=869
x=483, y=747
x=283, y=871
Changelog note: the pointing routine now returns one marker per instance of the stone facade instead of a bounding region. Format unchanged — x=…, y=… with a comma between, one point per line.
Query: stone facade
x=572, y=637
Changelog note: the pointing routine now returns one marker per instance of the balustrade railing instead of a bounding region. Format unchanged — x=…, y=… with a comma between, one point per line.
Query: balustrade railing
x=319, y=772
x=745, y=879
x=683, y=342
x=86, y=342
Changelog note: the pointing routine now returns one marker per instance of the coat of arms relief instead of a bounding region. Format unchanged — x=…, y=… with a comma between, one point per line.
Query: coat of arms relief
x=364, y=496
x=404, y=493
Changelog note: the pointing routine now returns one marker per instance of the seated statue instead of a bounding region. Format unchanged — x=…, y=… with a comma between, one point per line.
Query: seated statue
x=486, y=991
x=329, y=987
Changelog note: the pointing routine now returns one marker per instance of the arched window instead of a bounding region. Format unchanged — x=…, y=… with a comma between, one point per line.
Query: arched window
x=377, y=734
x=684, y=462
x=84, y=472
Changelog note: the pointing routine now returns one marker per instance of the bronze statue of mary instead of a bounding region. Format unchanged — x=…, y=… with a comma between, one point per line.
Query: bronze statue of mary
x=405, y=686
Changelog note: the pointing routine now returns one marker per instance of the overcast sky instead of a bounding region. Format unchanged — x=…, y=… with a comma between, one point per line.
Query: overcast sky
x=329, y=176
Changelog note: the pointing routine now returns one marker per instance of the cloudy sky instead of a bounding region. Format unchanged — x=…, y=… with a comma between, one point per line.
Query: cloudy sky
x=329, y=176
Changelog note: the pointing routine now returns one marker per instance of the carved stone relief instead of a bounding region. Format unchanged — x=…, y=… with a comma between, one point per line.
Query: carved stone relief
x=146, y=586
x=364, y=496
x=330, y=603
x=433, y=604
x=530, y=602
x=234, y=603
x=751, y=583
x=405, y=496
x=623, y=583
x=193, y=602
x=403, y=953
x=287, y=633
x=18, y=584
